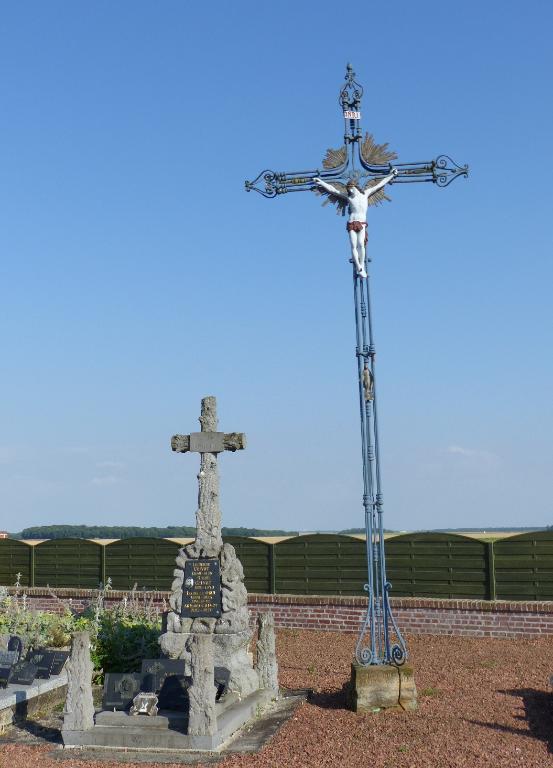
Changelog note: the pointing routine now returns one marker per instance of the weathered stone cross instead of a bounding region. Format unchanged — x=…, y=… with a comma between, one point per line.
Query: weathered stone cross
x=208, y=443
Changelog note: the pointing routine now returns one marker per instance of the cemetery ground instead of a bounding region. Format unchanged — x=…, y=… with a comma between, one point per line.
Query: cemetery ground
x=482, y=702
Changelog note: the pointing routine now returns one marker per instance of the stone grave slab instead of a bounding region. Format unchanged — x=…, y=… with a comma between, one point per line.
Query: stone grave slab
x=167, y=731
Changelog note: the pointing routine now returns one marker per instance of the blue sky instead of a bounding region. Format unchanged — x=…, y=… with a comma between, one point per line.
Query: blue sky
x=136, y=275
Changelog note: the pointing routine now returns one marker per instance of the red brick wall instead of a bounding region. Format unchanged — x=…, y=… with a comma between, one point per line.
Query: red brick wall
x=477, y=618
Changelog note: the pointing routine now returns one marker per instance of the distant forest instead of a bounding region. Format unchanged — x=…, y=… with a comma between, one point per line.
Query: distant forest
x=185, y=531
x=128, y=532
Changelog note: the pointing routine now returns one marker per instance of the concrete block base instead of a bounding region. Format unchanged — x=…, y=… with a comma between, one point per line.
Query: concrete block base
x=167, y=730
x=17, y=702
x=381, y=686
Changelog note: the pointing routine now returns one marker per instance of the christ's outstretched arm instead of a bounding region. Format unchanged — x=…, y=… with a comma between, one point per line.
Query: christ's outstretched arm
x=386, y=180
x=330, y=188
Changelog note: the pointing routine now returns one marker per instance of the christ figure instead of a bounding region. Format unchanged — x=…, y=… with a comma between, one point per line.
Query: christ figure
x=357, y=202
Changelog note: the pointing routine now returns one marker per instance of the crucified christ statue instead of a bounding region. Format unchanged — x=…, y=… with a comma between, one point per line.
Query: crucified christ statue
x=357, y=202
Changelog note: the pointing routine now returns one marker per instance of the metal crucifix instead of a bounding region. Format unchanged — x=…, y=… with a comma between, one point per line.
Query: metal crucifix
x=354, y=177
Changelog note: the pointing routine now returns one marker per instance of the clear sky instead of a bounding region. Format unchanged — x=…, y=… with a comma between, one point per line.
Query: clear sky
x=136, y=275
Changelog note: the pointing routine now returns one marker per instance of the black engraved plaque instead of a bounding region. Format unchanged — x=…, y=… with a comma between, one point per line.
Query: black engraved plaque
x=8, y=658
x=5, y=672
x=23, y=673
x=120, y=688
x=44, y=661
x=174, y=692
x=156, y=671
x=201, y=589
x=60, y=657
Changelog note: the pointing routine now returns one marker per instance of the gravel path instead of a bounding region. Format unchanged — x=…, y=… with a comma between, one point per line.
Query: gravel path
x=482, y=702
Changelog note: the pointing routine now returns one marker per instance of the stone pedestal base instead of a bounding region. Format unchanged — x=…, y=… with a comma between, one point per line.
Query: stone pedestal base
x=381, y=686
x=167, y=731
x=230, y=650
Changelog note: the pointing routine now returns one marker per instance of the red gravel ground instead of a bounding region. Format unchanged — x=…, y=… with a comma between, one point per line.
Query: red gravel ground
x=482, y=702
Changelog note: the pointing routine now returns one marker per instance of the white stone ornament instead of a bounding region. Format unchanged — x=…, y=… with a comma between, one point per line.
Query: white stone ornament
x=357, y=202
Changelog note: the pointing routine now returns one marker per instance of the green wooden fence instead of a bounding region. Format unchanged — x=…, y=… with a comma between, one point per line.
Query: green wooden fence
x=419, y=564
x=524, y=566
x=437, y=565
x=67, y=563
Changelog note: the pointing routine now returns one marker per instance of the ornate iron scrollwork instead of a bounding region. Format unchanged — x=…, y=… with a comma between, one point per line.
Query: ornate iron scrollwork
x=446, y=170
x=270, y=181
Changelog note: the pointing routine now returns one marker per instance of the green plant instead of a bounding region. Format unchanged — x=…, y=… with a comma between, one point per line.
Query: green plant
x=120, y=636
x=430, y=691
x=123, y=641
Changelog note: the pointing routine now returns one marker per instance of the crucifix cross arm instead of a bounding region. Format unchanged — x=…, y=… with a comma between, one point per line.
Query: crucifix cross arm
x=360, y=159
x=208, y=442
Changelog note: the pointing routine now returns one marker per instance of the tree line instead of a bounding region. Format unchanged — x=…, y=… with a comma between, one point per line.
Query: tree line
x=131, y=531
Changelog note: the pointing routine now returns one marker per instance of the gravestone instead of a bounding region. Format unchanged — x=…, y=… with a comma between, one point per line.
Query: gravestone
x=7, y=658
x=214, y=602
x=23, y=673
x=120, y=688
x=15, y=643
x=155, y=672
x=5, y=673
x=58, y=662
x=44, y=662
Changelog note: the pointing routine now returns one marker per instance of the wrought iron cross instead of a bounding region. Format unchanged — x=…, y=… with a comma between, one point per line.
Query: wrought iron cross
x=361, y=161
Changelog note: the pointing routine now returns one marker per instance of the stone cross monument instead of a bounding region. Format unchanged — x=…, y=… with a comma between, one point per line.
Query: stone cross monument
x=208, y=592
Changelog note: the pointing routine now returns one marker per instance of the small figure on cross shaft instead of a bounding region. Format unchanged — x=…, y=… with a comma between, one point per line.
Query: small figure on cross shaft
x=357, y=202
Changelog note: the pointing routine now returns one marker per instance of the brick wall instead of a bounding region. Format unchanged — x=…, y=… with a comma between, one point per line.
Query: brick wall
x=476, y=618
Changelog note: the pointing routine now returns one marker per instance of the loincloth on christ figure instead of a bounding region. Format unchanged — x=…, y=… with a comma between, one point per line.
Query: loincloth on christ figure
x=357, y=226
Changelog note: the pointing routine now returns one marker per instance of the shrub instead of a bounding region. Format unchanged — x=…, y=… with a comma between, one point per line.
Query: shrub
x=120, y=637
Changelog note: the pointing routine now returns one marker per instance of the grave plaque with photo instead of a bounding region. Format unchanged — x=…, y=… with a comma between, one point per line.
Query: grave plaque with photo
x=23, y=673
x=120, y=688
x=44, y=661
x=201, y=589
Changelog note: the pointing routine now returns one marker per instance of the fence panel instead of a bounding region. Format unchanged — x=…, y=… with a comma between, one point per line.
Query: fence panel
x=255, y=557
x=320, y=564
x=68, y=563
x=437, y=565
x=15, y=557
x=524, y=566
x=148, y=563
